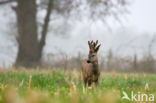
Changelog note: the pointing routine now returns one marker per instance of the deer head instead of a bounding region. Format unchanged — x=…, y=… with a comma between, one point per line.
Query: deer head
x=93, y=49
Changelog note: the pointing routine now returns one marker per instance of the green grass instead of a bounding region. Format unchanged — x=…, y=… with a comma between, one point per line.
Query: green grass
x=55, y=86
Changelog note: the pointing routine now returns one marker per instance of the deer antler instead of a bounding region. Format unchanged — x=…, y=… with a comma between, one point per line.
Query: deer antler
x=95, y=43
x=89, y=44
x=92, y=44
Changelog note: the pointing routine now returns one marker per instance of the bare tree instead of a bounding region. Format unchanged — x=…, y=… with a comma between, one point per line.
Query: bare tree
x=29, y=47
x=151, y=44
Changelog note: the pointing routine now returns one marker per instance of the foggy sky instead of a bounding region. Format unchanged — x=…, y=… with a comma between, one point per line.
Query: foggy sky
x=138, y=27
x=143, y=14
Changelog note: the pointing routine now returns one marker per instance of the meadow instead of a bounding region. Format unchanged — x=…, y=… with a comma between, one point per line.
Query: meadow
x=56, y=86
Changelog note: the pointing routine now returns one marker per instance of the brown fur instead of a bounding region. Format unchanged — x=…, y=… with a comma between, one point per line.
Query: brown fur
x=90, y=67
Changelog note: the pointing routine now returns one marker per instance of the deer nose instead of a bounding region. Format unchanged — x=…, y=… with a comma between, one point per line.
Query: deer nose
x=88, y=61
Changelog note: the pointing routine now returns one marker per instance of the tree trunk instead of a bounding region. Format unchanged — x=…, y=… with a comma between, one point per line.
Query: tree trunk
x=30, y=48
x=28, y=53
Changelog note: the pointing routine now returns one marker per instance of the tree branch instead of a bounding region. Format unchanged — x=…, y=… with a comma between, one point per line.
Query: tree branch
x=45, y=25
x=6, y=2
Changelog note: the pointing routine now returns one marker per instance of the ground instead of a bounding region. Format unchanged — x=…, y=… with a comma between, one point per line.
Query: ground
x=55, y=86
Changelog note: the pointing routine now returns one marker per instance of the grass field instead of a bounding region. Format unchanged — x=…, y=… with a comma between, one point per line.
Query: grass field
x=55, y=86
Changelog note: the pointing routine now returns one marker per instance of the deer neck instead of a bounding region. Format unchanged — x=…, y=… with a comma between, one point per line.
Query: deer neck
x=95, y=65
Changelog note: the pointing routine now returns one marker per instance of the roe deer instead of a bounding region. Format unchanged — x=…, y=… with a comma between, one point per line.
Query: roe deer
x=90, y=67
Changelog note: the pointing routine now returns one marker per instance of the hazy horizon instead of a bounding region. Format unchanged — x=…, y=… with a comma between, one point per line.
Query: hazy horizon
x=132, y=35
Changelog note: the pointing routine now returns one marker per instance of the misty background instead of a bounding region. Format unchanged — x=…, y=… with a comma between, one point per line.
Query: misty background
x=125, y=41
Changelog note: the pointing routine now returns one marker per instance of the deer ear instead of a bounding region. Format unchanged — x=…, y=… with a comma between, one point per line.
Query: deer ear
x=97, y=48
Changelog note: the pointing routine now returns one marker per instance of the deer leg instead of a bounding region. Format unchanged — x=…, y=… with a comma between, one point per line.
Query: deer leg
x=89, y=83
x=85, y=82
x=96, y=83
